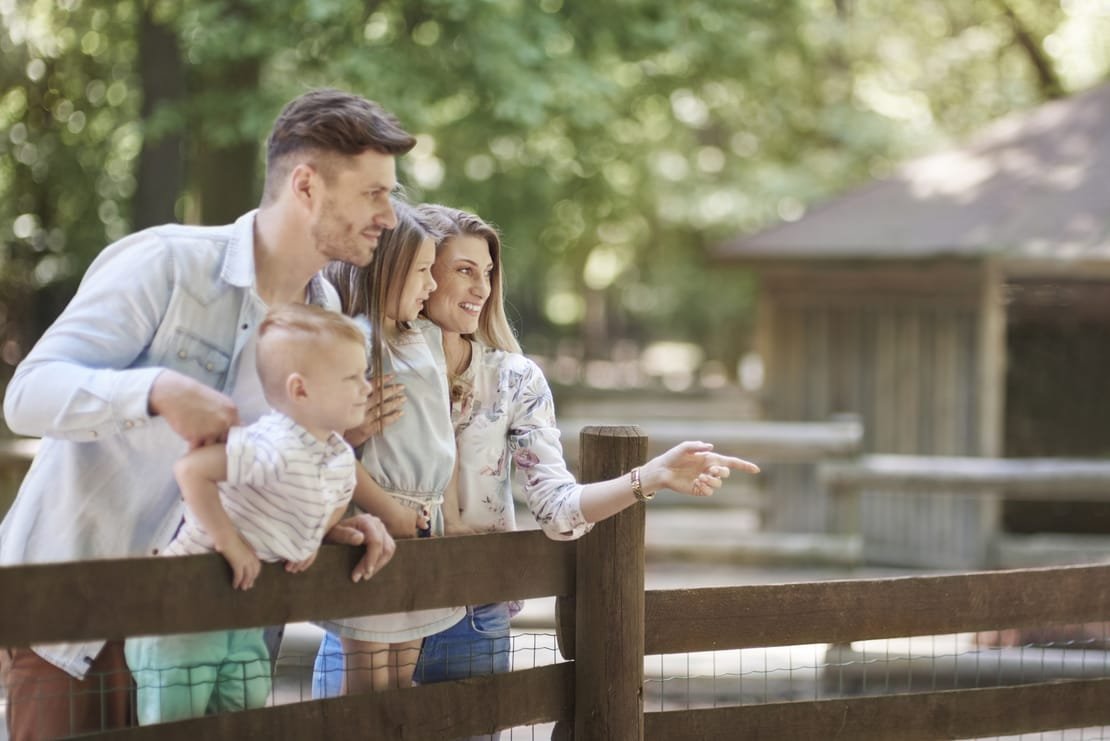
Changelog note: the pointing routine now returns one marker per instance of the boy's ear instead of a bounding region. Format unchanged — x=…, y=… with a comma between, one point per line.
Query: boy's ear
x=295, y=387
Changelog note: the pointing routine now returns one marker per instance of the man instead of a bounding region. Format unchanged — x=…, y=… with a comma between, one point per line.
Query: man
x=155, y=356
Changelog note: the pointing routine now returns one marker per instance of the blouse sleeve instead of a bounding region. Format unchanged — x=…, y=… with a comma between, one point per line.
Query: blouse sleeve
x=539, y=472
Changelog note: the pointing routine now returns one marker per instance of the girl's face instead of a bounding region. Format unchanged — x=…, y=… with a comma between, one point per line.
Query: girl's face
x=418, y=285
x=462, y=271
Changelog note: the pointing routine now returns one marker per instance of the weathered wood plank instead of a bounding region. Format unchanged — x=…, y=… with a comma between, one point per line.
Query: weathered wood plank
x=908, y=717
x=120, y=598
x=991, y=352
x=1039, y=478
x=609, y=600
x=841, y=611
x=924, y=281
x=434, y=712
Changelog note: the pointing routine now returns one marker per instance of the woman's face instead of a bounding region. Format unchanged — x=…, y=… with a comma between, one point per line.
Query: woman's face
x=462, y=273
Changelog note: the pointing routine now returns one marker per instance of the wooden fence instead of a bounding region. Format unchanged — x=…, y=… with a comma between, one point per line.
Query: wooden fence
x=943, y=479
x=606, y=625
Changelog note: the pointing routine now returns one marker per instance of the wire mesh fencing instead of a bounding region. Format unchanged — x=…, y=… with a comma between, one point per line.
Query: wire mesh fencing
x=288, y=679
x=713, y=679
x=779, y=674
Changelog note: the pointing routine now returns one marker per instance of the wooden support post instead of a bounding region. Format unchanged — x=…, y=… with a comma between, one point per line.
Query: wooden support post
x=844, y=502
x=608, y=625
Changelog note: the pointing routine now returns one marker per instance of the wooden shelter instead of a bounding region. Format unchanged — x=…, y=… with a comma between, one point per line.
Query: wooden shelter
x=960, y=307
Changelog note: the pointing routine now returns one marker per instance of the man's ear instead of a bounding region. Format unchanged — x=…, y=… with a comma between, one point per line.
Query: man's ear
x=304, y=182
x=296, y=388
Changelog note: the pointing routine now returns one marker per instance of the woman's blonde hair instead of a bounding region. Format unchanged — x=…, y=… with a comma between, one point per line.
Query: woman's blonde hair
x=493, y=326
x=374, y=290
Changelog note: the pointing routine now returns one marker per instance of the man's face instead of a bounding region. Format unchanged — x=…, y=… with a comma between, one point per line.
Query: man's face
x=354, y=208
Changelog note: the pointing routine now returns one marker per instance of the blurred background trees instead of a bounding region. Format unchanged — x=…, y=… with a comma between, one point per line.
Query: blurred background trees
x=613, y=143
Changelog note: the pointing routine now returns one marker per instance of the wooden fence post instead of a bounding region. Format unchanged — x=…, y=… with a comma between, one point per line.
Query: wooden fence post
x=608, y=629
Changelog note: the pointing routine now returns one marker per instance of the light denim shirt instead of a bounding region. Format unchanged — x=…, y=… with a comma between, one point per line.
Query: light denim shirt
x=101, y=485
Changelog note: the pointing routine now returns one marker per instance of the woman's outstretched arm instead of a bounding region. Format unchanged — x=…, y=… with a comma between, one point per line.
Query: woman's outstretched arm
x=688, y=468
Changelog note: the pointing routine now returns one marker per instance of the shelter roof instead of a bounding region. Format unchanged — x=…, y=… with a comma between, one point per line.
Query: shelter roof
x=1030, y=188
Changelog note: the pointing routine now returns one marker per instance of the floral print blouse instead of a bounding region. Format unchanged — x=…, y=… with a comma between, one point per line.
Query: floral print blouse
x=504, y=418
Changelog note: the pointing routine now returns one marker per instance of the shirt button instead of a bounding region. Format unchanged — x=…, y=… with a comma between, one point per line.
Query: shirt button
x=154, y=552
x=182, y=354
x=209, y=366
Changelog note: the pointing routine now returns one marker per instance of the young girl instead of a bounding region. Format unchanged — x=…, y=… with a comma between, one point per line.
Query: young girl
x=414, y=458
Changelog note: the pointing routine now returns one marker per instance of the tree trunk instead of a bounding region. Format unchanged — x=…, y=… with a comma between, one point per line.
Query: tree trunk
x=161, y=171
x=225, y=181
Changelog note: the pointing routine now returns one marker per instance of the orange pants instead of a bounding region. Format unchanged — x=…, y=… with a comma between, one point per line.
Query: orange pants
x=45, y=702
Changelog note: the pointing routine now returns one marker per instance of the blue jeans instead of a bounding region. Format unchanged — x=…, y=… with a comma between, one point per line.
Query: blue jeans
x=477, y=645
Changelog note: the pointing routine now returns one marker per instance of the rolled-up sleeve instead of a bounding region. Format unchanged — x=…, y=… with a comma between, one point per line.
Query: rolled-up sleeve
x=77, y=383
x=540, y=473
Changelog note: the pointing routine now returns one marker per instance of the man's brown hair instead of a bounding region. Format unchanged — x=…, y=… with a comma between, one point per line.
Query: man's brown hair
x=327, y=122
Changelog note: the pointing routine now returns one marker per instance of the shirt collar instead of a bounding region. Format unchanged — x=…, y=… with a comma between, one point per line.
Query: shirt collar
x=238, y=267
x=334, y=445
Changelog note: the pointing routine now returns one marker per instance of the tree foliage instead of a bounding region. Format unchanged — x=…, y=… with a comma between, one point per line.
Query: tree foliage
x=612, y=142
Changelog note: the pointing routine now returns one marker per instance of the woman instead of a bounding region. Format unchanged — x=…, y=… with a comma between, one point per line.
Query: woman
x=503, y=414
x=504, y=418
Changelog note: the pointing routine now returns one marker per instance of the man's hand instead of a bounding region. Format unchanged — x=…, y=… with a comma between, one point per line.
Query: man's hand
x=369, y=531
x=198, y=414
x=384, y=406
x=244, y=563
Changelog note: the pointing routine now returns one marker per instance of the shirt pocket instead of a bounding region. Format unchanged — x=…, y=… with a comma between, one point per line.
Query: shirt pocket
x=197, y=359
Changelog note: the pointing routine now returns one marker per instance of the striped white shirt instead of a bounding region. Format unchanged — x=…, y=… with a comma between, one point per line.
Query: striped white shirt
x=283, y=485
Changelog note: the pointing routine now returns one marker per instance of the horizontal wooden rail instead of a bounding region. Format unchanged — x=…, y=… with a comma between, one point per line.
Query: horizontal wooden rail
x=434, y=711
x=154, y=596
x=765, y=442
x=908, y=717
x=839, y=611
x=1027, y=478
x=18, y=452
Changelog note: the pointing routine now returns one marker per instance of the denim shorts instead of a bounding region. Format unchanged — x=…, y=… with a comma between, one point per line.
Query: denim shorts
x=477, y=645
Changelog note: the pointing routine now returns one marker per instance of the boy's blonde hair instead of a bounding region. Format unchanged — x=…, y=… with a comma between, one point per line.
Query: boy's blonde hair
x=287, y=338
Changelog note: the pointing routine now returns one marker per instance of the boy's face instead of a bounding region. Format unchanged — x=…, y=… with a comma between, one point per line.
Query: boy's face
x=335, y=379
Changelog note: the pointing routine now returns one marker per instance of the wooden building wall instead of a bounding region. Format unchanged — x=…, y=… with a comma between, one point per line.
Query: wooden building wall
x=908, y=349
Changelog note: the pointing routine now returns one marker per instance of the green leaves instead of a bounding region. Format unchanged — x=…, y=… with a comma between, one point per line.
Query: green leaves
x=612, y=142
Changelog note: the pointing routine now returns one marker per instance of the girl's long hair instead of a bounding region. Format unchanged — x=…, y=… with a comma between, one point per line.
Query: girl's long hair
x=493, y=326
x=370, y=292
